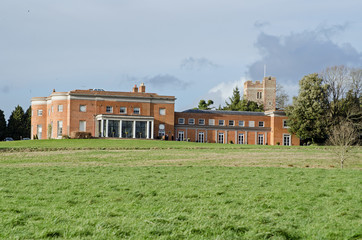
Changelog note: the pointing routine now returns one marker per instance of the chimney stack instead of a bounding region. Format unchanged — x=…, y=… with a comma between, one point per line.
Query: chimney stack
x=142, y=88
x=135, y=88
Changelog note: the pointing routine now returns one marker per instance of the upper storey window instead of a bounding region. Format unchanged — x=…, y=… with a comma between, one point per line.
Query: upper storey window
x=285, y=124
x=231, y=123
x=40, y=112
x=191, y=121
x=162, y=111
x=211, y=122
x=137, y=111
x=241, y=123
x=259, y=95
x=82, y=108
x=123, y=110
x=201, y=121
x=261, y=124
x=109, y=109
x=60, y=108
x=221, y=122
x=181, y=121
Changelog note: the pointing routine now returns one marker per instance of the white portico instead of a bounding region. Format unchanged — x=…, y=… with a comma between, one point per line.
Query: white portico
x=121, y=126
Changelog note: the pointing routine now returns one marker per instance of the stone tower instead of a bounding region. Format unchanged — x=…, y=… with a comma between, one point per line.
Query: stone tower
x=261, y=92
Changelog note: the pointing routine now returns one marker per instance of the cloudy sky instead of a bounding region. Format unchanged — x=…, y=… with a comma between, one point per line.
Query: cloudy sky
x=192, y=49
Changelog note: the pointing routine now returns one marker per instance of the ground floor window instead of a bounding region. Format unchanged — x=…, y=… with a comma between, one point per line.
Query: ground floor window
x=181, y=135
x=82, y=126
x=113, y=128
x=60, y=128
x=241, y=138
x=286, y=140
x=161, y=130
x=141, y=129
x=221, y=138
x=127, y=129
x=39, y=131
x=201, y=137
x=260, y=139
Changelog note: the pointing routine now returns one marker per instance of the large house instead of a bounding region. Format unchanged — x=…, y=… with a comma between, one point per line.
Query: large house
x=138, y=114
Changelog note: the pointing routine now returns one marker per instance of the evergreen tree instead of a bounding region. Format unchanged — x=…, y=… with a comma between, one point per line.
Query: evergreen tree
x=16, y=123
x=307, y=115
x=2, y=126
x=235, y=101
x=203, y=105
x=27, y=123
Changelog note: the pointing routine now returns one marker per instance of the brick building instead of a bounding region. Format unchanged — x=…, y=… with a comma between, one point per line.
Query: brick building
x=138, y=114
x=261, y=92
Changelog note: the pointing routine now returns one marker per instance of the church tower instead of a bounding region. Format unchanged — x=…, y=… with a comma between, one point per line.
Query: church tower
x=261, y=92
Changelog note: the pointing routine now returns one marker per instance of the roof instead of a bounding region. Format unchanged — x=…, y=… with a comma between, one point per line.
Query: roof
x=225, y=112
x=118, y=94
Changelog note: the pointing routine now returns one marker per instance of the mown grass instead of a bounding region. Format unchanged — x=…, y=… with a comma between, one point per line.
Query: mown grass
x=176, y=191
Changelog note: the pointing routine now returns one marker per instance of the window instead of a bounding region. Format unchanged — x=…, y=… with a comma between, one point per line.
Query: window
x=261, y=124
x=260, y=139
x=60, y=128
x=241, y=138
x=60, y=108
x=48, y=112
x=162, y=111
x=40, y=112
x=221, y=138
x=286, y=140
x=251, y=124
x=259, y=95
x=212, y=122
x=161, y=130
x=191, y=121
x=285, y=124
x=201, y=137
x=231, y=123
x=181, y=121
x=123, y=110
x=39, y=131
x=221, y=122
x=82, y=108
x=137, y=111
x=241, y=123
x=52, y=108
x=181, y=135
x=82, y=126
x=109, y=109
x=201, y=121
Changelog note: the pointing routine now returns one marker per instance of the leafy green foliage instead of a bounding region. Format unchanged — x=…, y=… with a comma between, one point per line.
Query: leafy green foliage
x=238, y=104
x=307, y=114
x=2, y=126
x=27, y=123
x=203, y=105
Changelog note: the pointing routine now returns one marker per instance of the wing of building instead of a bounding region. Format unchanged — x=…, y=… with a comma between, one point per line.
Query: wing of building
x=138, y=114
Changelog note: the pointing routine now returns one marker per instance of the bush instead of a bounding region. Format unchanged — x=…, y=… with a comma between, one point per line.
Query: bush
x=81, y=135
x=278, y=143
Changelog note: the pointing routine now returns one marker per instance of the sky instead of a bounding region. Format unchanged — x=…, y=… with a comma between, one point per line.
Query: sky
x=190, y=49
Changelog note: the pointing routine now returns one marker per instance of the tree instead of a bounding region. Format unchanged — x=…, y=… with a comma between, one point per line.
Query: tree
x=235, y=101
x=281, y=98
x=251, y=106
x=27, y=123
x=307, y=114
x=2, y=126
x=203, y=105
x=343, y=136
x=16, y=123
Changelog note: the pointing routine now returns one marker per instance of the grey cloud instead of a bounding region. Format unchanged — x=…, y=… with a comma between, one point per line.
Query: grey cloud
x=197, y=64
x=5, y=89
x=291, y=57
x=260, y=24
x=164, y=81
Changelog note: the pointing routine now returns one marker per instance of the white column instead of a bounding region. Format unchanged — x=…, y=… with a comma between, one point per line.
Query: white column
x=236, y=137
x=206, y=136
x=134, y=129
x=152, y=128
x=196, y=137
x=102, y=128
x=120, y=128
x=107, y=128
x=216, y=137
x=256, y=138
x=246, y=137
x=226, y=138
x=148, y=130
x=266, y=138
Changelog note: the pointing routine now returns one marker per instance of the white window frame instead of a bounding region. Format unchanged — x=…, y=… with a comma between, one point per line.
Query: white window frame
x=162, y=111
x=191, y=121
x=137, y=111
x=251, y=123
x=211, y=122
x=60, y=108
x=85, y=125
x=285, y=123
x=181, y=121
x=59, y=128
x=201, y=121
x=261, y=124
x=221, y=135
x=181, y=135
x=82, y=108
x=222, y=122
x=241, y=138
x=39, y=131
x=242, y=123
x=260, y=137
x=52, y=107
x=40, y=112
x=109, y=109
x=289, y=140
x=202, y=138
x=124, y=110
x=259, y=95
x=233, y=123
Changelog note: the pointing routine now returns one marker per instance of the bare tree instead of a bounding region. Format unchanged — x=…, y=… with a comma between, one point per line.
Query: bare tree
x=343, y=136
x=282, y=97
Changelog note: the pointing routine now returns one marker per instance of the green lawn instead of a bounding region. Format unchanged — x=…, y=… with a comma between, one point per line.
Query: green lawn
x=112, y=189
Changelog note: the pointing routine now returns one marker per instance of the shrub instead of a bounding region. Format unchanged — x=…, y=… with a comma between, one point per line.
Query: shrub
x=81, y=135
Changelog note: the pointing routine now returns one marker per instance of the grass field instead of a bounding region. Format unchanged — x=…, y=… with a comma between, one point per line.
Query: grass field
x=133, y=189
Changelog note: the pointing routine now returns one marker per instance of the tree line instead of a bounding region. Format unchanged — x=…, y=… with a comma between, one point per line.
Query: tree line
x=18, y=125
